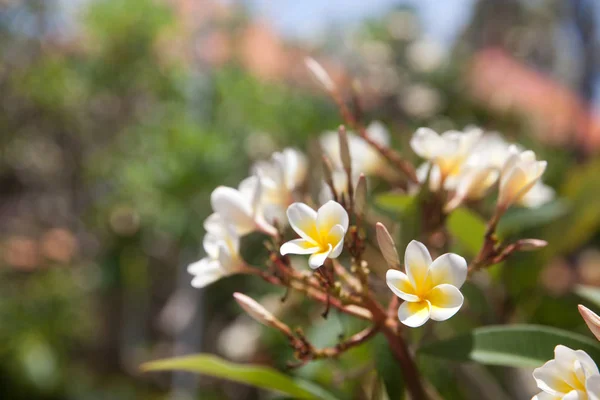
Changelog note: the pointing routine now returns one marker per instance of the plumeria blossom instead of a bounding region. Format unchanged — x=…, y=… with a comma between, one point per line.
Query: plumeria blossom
x=520, y=173
x=430, y=289
x=222, y=246
x=364, y=157
x=321, y=232
x=280, y=177
x=239, y=208
x=446, y=153
x=572, y=375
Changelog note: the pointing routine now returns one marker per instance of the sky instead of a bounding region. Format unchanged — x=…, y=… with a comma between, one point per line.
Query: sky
x=442, y=20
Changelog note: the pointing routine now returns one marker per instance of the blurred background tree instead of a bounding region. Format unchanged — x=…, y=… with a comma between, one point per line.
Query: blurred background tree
x=118, y=118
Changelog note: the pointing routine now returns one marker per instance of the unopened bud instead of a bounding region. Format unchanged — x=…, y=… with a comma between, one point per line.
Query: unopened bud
x=592, y=320
x=254, y=309
x=319, y=73
x=344, y=149
x=360, y=196
x=387, y=246
x=530, y=244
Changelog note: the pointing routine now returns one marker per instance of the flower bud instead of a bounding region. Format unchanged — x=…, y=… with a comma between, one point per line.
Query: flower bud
x=531, y=244
x=344, y=149
x=387, y=246
x=319, y=73
x=254, y=309
x=591, y=319
x=360, y=196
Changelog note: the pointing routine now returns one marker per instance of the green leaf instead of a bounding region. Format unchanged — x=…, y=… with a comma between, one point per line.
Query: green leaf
x=511, y=346
x=589, y=293
x=398, y=203
x=388, y=369
x=254, y=375
x=520, y=219
x=468, y=228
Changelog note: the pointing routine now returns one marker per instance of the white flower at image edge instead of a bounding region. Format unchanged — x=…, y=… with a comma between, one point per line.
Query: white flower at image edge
x=430, y=289
x=222, y=249
x=321, y=232
x=571, y=375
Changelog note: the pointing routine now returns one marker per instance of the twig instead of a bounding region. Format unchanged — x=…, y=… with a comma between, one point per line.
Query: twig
x=393, y=157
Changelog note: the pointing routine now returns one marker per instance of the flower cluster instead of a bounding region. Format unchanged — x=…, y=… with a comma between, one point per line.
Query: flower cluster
x=460, y=167
x=258, y=204
x=469, y=163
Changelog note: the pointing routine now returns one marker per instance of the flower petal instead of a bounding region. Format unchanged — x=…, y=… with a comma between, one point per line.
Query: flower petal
x=400, y=285
x=303, y=221
x=231, y=205
x=549, y=378
x=566, y=358
x=210, y=242
x=575, y=395
x=445, y=301
x=205, y=271
x=413, y=314
x=318, y=259
x=426, y=143
x=335, y=238
x=298, y=246
x=214, y=223
x=448, y=268
x=330, y=214
x=416, y=263
x=592, y=385
x=228, y=260
x=512, y=185
x=545, y=396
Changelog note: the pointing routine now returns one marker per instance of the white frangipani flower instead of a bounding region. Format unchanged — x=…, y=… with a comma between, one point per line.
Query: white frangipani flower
x=240, y=207
x=430, y=289
x=280, y=177
x=222, y=246
x=448, y=152
x=567, y=376
x=537, y=196
x=321, y=232
x=364, y=157
x=520, y=173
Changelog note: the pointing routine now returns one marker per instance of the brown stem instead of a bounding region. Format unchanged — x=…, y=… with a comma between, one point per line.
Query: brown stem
x=488, y=249
x=313, y=293
x=355, y=340
x=399, y=349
